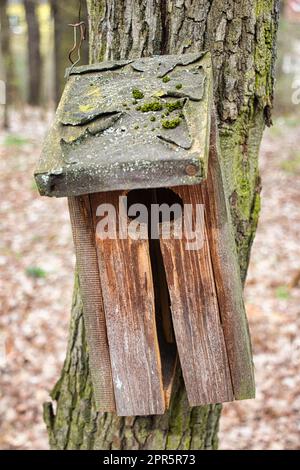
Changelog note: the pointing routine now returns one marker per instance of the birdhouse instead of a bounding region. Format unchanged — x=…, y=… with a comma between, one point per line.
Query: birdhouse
x=134, y=137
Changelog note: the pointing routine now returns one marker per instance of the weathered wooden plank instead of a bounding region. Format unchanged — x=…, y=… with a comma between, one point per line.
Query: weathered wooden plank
x=227, y=275
x=90, y=289
x=195, y=313
x=125, y=271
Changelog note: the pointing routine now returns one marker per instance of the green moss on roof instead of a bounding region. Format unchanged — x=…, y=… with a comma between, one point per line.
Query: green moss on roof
x=171, y=123
x=151, y=106
x=137, y=94
x=174, y=105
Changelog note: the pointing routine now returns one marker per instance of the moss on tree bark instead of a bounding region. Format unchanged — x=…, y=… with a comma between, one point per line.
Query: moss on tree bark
x=241, y=37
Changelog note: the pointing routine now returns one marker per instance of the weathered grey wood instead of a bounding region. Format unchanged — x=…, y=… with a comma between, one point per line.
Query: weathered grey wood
x=90, y=288
x=195, y=312
x=227, y=274
x=130, y=124
x=126, y=278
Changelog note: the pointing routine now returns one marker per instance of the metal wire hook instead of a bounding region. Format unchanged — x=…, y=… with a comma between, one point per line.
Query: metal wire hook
x=82, y=28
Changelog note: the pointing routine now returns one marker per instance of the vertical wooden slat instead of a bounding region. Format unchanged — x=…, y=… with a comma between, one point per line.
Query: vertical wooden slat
x=195, y=313
x=126, y=278
x=90, y=289
x=227, y=275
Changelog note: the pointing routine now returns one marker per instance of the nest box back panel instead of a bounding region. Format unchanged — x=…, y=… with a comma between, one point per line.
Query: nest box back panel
x=128, y=128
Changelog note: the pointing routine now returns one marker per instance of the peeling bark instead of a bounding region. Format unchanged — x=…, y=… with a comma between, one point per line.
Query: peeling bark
x=241, y=37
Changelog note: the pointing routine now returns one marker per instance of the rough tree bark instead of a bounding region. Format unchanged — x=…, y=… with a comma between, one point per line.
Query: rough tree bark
x=65, y=13
x=34, y=54
x=241, y=36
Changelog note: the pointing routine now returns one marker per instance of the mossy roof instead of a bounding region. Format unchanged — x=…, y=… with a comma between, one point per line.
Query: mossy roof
x=130, y=124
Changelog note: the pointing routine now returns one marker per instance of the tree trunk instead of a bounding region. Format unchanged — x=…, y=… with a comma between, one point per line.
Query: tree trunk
x=34, y=54
x=6, y=59
x=65, y=13
x=241, y=37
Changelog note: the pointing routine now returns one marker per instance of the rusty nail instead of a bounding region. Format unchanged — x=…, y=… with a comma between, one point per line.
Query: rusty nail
x=191, y=170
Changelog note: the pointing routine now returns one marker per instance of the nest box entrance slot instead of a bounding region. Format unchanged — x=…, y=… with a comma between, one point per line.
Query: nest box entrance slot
x=164, y=324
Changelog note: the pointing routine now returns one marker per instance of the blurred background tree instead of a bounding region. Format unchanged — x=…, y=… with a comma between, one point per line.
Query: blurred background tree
x=64, y=14
x=6, y=61
x=34, y=54
x=35, y=40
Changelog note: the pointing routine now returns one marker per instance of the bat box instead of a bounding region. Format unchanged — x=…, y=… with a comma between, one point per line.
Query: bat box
x=136, y=134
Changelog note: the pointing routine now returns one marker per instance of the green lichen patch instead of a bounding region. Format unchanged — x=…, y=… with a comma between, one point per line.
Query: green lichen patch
x=166, y=79
x=158, y=94
x=151, y=106
x=153, y=118
x=178, y=86
x=137, y=94
x=171, y=123
x=174, y=105
x=84, y=108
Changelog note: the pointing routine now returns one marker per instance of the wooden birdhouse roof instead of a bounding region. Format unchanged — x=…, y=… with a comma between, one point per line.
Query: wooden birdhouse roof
x=130, y=124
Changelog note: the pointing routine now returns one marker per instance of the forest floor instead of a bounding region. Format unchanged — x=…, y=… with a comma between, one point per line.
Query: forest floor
x=36, y=263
